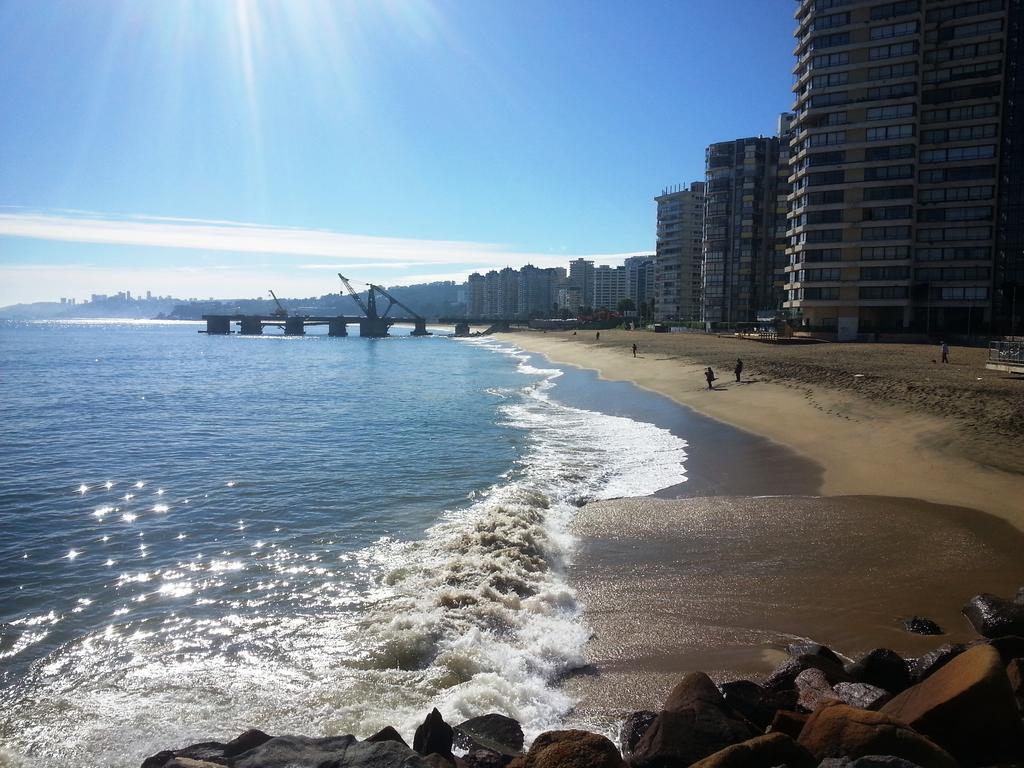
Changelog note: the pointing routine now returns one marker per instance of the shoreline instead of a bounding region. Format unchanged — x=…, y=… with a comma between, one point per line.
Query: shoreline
x=863, y=446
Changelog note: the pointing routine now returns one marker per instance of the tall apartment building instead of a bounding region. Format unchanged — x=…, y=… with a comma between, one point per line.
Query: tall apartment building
x=677, y=261
x=640, y=276
x=611, y=285
x=739, y=248
x=581, y=276
x=538, y=290
x=900, y=130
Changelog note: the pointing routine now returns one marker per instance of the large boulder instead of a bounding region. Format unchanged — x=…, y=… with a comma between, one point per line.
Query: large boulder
x=1009, y=647
x=434, y=737
x=760, y=752
x=335, y=751
x=246, y=741
x=572, y=749
x=633, y=729
x=757, y=703
x=498, y=733
x=695, y=722
x=206, y=751
x=813, y=649
x=992, y=616
x=387, y=733
x=838, y=730
x=967, y=707
x=783, y=677
x=881, y=668
x=789, y=723
x=924, y=666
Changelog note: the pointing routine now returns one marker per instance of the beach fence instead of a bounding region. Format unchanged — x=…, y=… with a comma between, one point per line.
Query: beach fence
x=1006, y=356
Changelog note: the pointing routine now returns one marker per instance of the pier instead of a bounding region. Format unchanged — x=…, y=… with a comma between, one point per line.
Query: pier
x=254, y=325
x=372, y=324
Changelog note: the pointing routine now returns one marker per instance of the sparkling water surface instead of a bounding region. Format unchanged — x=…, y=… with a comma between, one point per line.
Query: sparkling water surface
x=206, y=534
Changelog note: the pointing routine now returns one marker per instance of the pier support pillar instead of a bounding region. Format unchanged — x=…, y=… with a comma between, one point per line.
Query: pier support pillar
x=375, y=328
x=462, y=329
x=218, y=325
x=251, y=326
x=294, y=326
x=420, y=329
x=337, y=327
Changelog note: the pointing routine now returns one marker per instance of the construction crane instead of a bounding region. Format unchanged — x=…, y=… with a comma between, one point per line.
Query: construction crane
x=359, y=301
x=280, y=311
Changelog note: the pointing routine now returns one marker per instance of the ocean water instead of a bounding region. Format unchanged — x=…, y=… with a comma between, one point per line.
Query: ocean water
x=206, y=534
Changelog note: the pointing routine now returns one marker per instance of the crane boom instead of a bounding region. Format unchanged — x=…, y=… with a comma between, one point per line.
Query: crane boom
x=354, y=295
x=280, y=311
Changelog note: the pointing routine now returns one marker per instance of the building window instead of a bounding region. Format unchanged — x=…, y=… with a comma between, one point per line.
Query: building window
x=956, y=154
x=896, y=152
x=890, y=71
x=874, y=292
x=885, y=253
x=885, y=172
x=889, y=10
x=894, y=30
x=968, y=293
x=954, y=254
x=954, y=233
x=893, y=112
x=970, y=173
x=955, y=194
x=892, y=51
x=978, y=213
x=956, y=114
x=887, y=213
x=885, y=233
x=964, y=10
x=888, y=193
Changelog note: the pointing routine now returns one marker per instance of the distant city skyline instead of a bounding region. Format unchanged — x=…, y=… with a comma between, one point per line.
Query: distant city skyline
x=223, y=149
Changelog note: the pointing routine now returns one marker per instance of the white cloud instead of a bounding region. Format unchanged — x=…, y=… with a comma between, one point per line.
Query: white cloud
x=389, y=260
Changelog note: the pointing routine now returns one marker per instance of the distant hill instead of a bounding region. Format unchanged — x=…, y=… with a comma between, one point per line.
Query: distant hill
x=431, y=300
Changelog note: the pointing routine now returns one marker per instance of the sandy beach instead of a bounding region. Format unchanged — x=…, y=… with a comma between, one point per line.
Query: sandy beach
x=880, y=419
x=834, y=492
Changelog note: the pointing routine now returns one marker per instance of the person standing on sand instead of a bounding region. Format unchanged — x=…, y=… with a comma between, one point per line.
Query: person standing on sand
x=634, y=350
x=738, y=369
x=598, y=336
x=710, y=376
x=945, y=352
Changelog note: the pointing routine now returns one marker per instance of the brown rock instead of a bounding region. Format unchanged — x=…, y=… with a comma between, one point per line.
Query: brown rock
x=571, y=749
x=187, y=762
x=696, y=722
x=761, y=752
x=496, y=732
x=789, y=723
x=837, y=730
x=387, y=733
x=435, y=760
x=783, y=677
x=755, y=702
x=967, y=707
x=485, y=758
x=924, y=666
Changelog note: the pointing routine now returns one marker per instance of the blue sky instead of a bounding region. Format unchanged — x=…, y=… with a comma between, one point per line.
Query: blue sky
x=223, y=147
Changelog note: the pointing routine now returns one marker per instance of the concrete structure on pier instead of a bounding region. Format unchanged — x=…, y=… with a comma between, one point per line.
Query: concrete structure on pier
x=253, y=325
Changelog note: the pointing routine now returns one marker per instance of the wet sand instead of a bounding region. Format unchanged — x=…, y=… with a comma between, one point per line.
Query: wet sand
x=723, y=584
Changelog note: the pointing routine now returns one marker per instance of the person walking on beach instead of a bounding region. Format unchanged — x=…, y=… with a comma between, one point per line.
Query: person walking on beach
x=945, y=352
x=634, y=350
x=738, y=369
x=710, y=376
x=598, y=336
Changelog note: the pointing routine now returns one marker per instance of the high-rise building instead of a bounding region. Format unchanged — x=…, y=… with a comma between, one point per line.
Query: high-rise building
x=741, y=196
x=677, y=262
x=640, y=275
x=581, y=275
x=538, y=290
x=902, y=122
x=611, y=285
x=475, y=292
